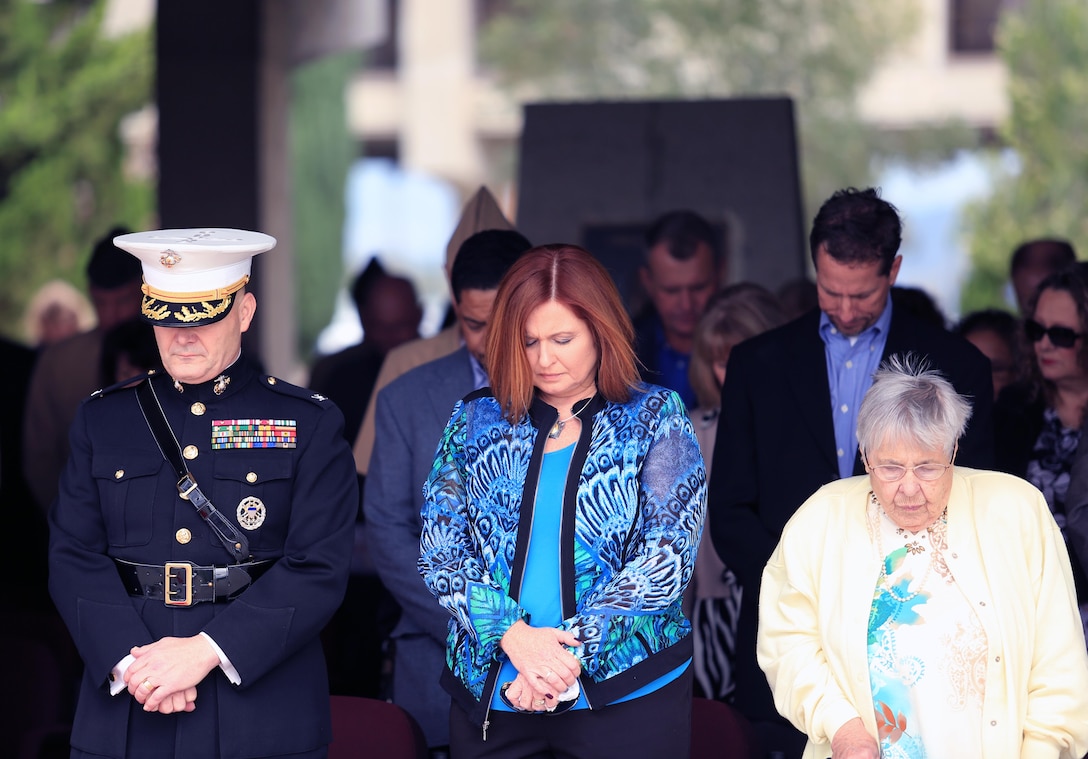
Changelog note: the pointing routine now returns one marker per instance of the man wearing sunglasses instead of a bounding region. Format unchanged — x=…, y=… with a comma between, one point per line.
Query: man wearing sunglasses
x=789, y=409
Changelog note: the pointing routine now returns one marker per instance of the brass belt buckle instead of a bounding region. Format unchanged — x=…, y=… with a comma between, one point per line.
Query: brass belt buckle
x=173, y=579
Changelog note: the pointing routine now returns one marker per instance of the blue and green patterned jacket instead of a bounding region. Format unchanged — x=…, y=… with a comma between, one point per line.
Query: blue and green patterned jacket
x=632, y=516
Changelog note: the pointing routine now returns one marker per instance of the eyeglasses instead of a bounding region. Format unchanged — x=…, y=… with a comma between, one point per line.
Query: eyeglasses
x=1060, y=337
x=560, y=706
x=924, y=472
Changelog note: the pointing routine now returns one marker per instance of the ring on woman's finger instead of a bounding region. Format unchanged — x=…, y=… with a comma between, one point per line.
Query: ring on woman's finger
x=539, y=702
x=548, y=674
x=147, y=684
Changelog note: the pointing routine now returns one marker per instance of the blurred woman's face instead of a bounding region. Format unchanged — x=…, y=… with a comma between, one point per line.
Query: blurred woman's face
x=562, y=355
x=1056, y=308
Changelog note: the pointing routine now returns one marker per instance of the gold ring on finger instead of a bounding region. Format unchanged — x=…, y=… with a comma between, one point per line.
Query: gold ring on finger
x=147, y=684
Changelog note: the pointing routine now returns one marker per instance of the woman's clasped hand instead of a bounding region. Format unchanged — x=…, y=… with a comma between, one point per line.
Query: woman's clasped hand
x=546, y=668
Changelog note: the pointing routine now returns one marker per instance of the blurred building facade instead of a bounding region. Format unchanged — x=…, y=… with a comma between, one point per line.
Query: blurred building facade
x=424, y=102
x=948, y=71
x=424, y=99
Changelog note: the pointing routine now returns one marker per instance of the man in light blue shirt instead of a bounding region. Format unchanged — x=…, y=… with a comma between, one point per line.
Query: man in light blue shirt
x=851, y=361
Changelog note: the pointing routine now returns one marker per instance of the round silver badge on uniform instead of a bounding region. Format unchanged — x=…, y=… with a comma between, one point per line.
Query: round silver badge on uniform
x=251, y=512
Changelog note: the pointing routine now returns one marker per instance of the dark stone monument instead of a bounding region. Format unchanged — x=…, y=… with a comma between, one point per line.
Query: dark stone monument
x=598, y=173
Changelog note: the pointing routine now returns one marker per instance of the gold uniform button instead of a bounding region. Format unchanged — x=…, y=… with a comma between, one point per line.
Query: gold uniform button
x=251, y=477
x=198, y=409
x=183, y=536
x=190, y=452
x=119, y=474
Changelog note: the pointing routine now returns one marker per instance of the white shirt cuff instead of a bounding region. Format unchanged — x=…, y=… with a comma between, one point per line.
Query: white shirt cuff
x=224, y=662
x=117, y=674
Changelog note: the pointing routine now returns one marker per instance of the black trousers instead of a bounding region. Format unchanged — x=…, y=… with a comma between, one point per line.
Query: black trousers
x=655, y=726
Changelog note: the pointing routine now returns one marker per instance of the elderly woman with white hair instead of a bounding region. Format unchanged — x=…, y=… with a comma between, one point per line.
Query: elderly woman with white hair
x=924, y=610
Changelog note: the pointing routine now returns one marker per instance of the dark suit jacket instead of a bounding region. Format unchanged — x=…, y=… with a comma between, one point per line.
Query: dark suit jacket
x=348, y=378
x=410, y=414
x=23, y=557
x=1018, y=420
x=776, y=446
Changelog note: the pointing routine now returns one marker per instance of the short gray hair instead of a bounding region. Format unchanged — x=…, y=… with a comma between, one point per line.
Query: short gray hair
x=910, y=402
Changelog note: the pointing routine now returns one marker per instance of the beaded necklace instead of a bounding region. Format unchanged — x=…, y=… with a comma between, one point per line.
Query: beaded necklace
x=913, y=547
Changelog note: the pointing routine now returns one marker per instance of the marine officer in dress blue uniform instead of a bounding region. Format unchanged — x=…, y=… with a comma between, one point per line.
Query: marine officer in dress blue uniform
x=196, y=552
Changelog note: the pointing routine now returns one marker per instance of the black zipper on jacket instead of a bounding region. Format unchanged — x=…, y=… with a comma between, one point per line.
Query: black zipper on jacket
x=542, y=417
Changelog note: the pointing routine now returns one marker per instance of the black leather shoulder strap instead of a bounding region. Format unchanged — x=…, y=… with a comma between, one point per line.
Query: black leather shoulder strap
x=233, y=540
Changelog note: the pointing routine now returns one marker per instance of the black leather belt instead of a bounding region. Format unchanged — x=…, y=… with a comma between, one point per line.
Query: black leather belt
x=181, y=583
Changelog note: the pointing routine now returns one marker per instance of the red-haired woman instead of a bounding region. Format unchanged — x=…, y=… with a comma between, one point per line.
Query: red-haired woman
x=560, y=526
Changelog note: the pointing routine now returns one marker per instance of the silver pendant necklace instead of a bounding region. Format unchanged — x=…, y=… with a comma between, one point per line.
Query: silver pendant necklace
x=557, y=428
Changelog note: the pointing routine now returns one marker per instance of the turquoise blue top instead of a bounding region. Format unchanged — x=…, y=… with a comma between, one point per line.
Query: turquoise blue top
x=540, y=586
x=851, y=362
x=632, y=516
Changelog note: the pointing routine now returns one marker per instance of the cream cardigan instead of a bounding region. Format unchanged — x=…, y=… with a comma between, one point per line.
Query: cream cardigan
x=1007, y=556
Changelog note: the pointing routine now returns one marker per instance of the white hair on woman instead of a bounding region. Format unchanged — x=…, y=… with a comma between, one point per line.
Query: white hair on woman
x=910, y=402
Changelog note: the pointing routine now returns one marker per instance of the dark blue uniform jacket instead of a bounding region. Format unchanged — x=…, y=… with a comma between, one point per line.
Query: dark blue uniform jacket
x=118, y=499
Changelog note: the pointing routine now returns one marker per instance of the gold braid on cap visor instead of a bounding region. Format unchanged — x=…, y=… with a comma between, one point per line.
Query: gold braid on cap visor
x=159, y=305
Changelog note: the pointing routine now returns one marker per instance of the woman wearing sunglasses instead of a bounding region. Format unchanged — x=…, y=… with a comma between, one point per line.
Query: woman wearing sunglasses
x=1037, y=424
x=560, y=526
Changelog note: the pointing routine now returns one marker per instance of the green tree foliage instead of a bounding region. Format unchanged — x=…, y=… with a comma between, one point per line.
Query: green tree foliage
x=820, y=52
x=63, y=92
x=1045, y=192
x=321, y=154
